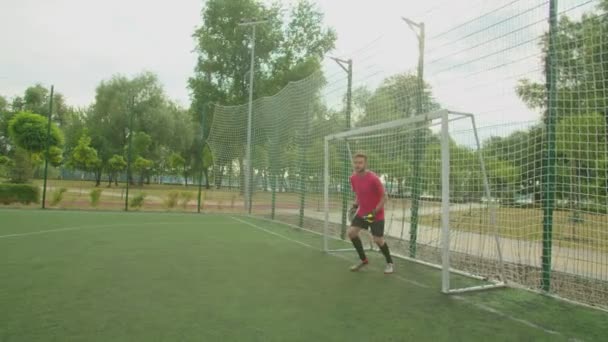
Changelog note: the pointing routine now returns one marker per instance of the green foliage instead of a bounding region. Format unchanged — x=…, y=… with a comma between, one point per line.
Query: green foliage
x=172, y=199
x=582, y=143
x=397, y=97
x=504, y=179
x=21, y=170
x=582, y=137
x=3, y=104
x=207, y=157
x=581, y=50
x=288, y=47
x=57, y=196
x=138, y=201
x=186, y=197
x=19, y=193
x=116, y=164
x=55, y=156
x=143, y=167
x=36, y=99
x=95, y=195
x=5, y=165
x=84, y=157
x=28, y=131
x=141, y=144
x=176, y=163
x=116, y=100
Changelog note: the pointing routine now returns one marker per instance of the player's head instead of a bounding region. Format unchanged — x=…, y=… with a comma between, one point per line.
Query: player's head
x=360, y=162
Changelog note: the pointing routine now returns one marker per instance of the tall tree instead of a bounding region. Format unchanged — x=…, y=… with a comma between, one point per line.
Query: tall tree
x=582, y=65
x=287, y=48
x=116, y=100
x=28, y=132
x=84, y=157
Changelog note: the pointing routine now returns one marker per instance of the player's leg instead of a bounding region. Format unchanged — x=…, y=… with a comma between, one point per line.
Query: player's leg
x=378, y=234
x=353, y=234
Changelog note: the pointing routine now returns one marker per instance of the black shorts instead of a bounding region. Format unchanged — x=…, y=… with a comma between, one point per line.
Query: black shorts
x=377, y=227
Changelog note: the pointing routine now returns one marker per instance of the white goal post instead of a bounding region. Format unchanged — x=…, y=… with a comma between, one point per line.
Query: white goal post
x=443, y=244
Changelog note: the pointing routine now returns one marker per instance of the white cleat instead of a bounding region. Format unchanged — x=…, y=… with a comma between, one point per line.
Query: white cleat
x=389, y=269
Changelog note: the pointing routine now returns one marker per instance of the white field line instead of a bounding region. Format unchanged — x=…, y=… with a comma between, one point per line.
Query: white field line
x=413, y=282
x=87, y=227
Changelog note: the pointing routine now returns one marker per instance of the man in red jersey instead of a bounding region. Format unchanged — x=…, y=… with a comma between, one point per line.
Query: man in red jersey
x=369, y=203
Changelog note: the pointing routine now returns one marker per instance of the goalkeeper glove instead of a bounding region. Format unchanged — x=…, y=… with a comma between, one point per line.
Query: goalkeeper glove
x=370, y=217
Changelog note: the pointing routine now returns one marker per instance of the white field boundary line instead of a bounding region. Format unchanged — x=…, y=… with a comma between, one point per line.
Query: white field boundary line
x=481, y=307
x=88, y=227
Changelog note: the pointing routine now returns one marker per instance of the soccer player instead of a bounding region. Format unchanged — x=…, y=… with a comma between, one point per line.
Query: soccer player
x=369, y=206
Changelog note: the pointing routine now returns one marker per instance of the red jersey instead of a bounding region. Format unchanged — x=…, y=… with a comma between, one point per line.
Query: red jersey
x=369, y=191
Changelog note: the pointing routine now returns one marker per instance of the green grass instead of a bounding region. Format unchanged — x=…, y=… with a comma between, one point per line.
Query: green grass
x=102, y=276
x=526, y=224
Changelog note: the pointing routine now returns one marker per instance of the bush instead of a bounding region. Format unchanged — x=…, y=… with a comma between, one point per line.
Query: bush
x=21, y=169
x=186, y=197
x=172, y=198
x=19, y=193
x=138, y=201
x=95, y=195
x=57, y=196
x=5, y=165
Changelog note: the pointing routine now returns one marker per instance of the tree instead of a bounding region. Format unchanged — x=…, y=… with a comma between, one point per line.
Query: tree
x=5, y=117
x=207, y=161
x=36, y=99
x=581, y=54
x=21, y=169
x=119, y=98
x=116, y=164
x=581, y=140
x=55, y=156
x=28, y=132
x=177, y=165
x=3, y=104
x=5, y=165
x=184, y=144
x=287, y=48
x=581, y=51
x=395, y=98
x=84, y=157
x=143, y=167
x=504, y=179
x=522, y=149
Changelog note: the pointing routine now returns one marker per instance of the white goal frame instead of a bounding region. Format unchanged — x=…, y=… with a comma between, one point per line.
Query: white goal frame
x=445, y=117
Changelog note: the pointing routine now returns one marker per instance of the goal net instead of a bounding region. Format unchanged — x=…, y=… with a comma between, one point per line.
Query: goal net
x=430, y=179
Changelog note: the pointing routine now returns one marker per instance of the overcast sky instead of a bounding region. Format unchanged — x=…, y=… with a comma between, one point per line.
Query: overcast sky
x=74, y=44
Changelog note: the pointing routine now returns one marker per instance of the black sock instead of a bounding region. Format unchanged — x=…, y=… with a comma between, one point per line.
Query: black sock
x=386, y=253
x=359, y=247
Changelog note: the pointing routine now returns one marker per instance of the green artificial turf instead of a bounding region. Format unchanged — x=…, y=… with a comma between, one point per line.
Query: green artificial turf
x=101, y=276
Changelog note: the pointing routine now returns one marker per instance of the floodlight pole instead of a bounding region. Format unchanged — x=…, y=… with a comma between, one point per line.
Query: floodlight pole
x=48, y=142
x=202, y=156
x=129, y=150
x=418, y=29
x=347, y=66
x=248, y=169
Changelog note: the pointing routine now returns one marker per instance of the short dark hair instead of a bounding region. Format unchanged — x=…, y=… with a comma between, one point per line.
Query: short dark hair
x=360, y=155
